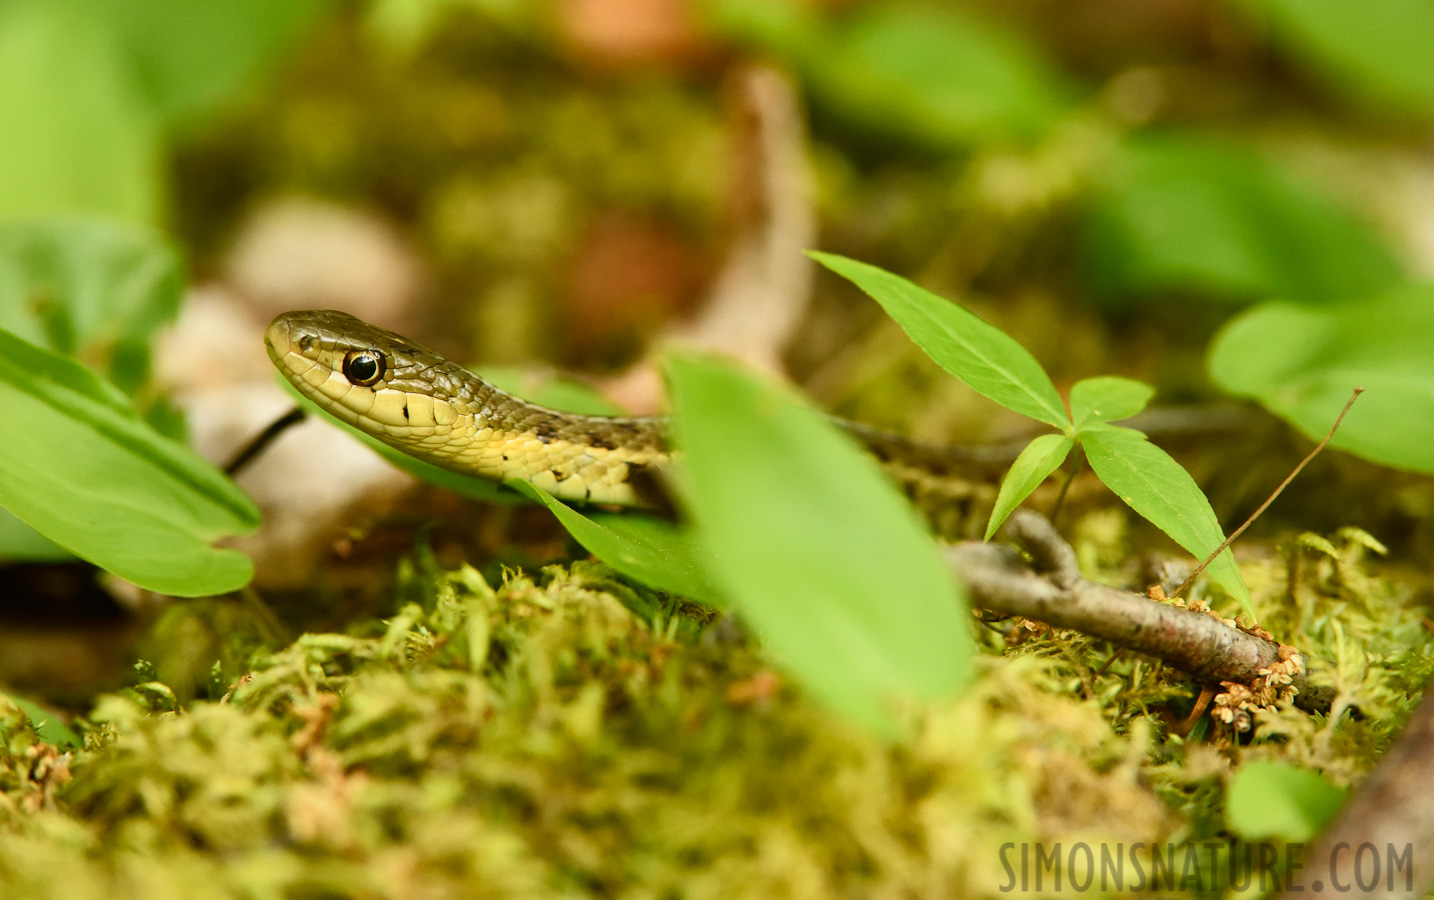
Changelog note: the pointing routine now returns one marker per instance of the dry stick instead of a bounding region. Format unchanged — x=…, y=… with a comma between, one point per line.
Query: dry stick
x=1271, y=499
x=1049, y=589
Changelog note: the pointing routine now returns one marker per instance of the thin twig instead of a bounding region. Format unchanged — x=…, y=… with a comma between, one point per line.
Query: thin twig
x=1271, y=499
x=1119, y=652
x=999, y=578
x=1202, y=703
x=263, y=439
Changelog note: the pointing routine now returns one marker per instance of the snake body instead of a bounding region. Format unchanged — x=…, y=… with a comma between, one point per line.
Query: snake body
x=413, y=399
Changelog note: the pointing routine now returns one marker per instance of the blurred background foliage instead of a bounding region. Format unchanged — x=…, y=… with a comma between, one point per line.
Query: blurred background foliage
x=1110, y=183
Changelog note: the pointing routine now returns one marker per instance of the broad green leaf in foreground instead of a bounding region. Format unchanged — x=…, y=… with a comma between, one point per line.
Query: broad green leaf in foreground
x=1276, y=800
x=981, y=355
x=1303, y=364
x=79, y=466
x=814, y=547
x=641, y=547
x=1107, y=399
x=1041, y=457
x=1158, y=488
x=88, y=288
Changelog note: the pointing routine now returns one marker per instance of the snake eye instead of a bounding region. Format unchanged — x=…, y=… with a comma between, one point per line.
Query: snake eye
x=363, y=367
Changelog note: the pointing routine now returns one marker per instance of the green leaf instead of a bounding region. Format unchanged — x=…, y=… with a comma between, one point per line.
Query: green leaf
x=88, y=288
x=981, y=355
x=1193, y=212
x=1159, y=489
x=190, y=55
x=641, y=547
x=1303, y=364
x=1276, y=800
x=1379, y=50
x=791, y=30
x=91, y=289
x=78, y=134
x=943, y=77
x=19, y=541
x=814, y=546
x=48, y=727
x=1041, y=457
x=79, y=466
x=1108, y=398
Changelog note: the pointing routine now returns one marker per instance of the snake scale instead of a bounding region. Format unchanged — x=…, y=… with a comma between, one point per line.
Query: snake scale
x=415, y=400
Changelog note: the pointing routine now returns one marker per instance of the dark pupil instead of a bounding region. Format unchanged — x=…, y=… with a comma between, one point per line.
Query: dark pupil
x=362, y=368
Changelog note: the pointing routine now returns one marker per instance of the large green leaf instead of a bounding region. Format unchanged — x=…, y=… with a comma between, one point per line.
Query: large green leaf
x=1158, y=488
x=79, y=466
x=1191, y=212
x=1276, y=800
x=1382, y=50
x=88, y=288
x=1303, y=364
x=78, y=135
x=814, y=546
x=642, y=547
x=981, y=355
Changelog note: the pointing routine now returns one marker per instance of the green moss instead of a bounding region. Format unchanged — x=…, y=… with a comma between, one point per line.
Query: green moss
x=543, y=739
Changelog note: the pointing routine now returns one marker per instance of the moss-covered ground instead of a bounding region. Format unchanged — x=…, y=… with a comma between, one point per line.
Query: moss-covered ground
x=537, y=737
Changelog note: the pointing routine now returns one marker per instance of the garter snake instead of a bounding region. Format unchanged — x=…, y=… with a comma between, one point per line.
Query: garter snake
x=413, y=399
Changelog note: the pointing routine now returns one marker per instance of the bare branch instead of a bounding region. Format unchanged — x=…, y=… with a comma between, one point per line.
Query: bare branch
x=998, y=578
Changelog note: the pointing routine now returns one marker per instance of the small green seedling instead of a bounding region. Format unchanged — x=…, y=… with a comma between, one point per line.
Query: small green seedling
x=996, y=366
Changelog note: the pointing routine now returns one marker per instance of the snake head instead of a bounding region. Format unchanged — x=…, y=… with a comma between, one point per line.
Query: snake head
x=373, y=379
x=414, y=400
